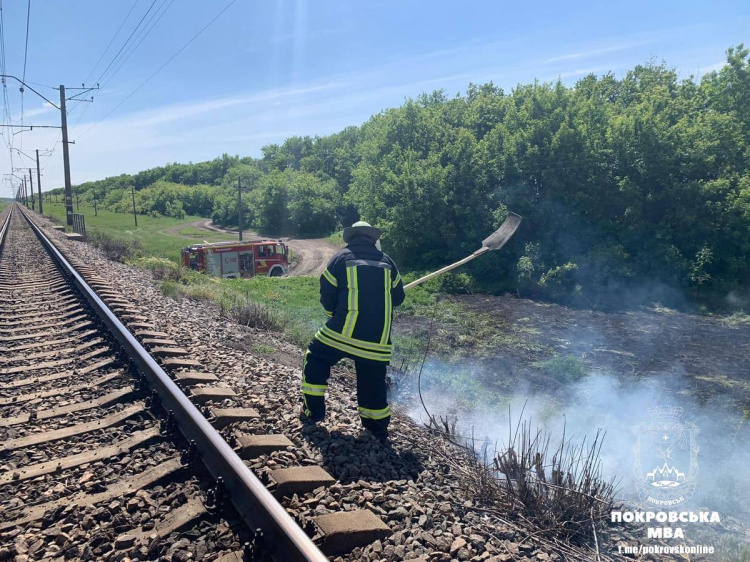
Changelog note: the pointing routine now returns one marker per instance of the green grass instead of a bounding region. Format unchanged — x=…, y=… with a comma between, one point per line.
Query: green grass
x=197, y=233
x=458, y=329
x=737, y=319
x=262, y=349
x=337, y=239
x=564, y=368
x=170, y=289
x=154, y=234
x=294, y=301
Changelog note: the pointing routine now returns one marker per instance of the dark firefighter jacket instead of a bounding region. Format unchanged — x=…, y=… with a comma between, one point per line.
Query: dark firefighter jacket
x=358, y=290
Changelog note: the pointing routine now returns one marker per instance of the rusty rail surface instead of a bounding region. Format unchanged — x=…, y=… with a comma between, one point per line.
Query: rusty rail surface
x=255, y=504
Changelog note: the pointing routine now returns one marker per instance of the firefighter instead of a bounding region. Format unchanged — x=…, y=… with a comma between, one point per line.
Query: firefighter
x=358, y=290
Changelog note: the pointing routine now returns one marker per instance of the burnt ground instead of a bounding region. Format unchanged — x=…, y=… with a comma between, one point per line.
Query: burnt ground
x=489, y=354
x=711, y=353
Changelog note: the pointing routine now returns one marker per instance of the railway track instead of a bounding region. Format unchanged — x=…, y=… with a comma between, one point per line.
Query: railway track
x=104, y=452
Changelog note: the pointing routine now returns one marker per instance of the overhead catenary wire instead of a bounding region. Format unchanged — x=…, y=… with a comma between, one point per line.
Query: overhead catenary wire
x=52, y=151
x=127, y=44
x=170, y=59
x=144, y=32
x=8, y=139
x=112, y=40
x=22, y=153
x=138, y=25
x=155, y=18
x=25, y=58
x=26, y=48
x=41, y=85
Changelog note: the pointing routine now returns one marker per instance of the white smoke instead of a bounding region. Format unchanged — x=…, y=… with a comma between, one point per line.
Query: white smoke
x=480, y=398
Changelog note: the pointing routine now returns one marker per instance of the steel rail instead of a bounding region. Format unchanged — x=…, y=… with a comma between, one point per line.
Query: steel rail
x=284, y=539
x=4, y=229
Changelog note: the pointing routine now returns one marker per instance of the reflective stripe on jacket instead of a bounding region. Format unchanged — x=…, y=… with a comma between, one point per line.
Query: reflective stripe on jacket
x=359, y=288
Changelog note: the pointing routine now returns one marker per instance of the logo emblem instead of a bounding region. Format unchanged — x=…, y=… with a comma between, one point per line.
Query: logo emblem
x=666, y=457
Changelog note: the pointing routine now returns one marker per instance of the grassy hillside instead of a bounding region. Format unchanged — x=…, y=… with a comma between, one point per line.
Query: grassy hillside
x=290, y=304
x=162, y=236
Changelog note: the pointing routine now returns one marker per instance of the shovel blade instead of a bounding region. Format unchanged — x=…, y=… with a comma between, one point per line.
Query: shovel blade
x=497, y=239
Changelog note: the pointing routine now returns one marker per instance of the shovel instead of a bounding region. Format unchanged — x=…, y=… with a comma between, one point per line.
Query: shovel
x=494, y=241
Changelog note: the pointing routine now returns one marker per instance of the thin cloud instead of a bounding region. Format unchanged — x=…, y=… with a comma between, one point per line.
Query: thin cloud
x=45, y=108
x=712, y=67
x=178, y=112
x=599, y=51
x=581, y=72
x=243, y=121
x=307, y=35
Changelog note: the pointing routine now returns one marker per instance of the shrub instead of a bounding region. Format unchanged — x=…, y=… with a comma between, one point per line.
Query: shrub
x=116, y=249
x=564, y=369
x=205, y=292
x=251, y=314
x=561, y=489
x=174, y=209
x=455, y=283
x=171, y=289
x=161, y=268
x=560, y=282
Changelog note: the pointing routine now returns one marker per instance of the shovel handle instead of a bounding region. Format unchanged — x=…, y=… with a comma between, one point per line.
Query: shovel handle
x=446, y=268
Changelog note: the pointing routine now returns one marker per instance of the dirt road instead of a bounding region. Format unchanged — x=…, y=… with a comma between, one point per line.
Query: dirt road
x=310, y=255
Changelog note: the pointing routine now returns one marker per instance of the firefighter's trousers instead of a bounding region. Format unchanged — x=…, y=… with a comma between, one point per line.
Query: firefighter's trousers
x=371, y=387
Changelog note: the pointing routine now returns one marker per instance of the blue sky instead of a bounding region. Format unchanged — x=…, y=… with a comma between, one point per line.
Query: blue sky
x=266, y=70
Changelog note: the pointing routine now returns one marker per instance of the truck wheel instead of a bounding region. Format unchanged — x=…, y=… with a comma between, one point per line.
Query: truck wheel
x=276, y=272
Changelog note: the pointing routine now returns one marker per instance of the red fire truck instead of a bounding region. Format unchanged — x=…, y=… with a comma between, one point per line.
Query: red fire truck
x=234, y=260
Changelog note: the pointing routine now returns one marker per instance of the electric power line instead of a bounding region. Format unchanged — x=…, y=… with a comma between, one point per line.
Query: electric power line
x=144, y=32
x=52, y=151
x=26, y=49
x=6, y=100
x=25, y=57
x=112, y=40
x=42, y=85
x=140, y=38
x=170, y=59
x=126, y=42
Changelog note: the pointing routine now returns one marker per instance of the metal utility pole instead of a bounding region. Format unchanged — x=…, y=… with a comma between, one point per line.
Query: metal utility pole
x=31, y=193
x=132, y=194
x=31, y=186
x=78, y=206
x=239, y=206
x=39, y=181
x=93, y=193
x=66, y=158
x=25, y=197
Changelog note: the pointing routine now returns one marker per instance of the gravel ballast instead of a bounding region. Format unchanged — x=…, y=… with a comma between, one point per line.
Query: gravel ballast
x=408, y=482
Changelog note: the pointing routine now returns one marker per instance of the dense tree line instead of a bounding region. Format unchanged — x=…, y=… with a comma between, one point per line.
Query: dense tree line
x=620, y=182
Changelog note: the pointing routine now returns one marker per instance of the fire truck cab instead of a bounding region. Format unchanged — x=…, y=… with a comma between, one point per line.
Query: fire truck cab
x=235, y=260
